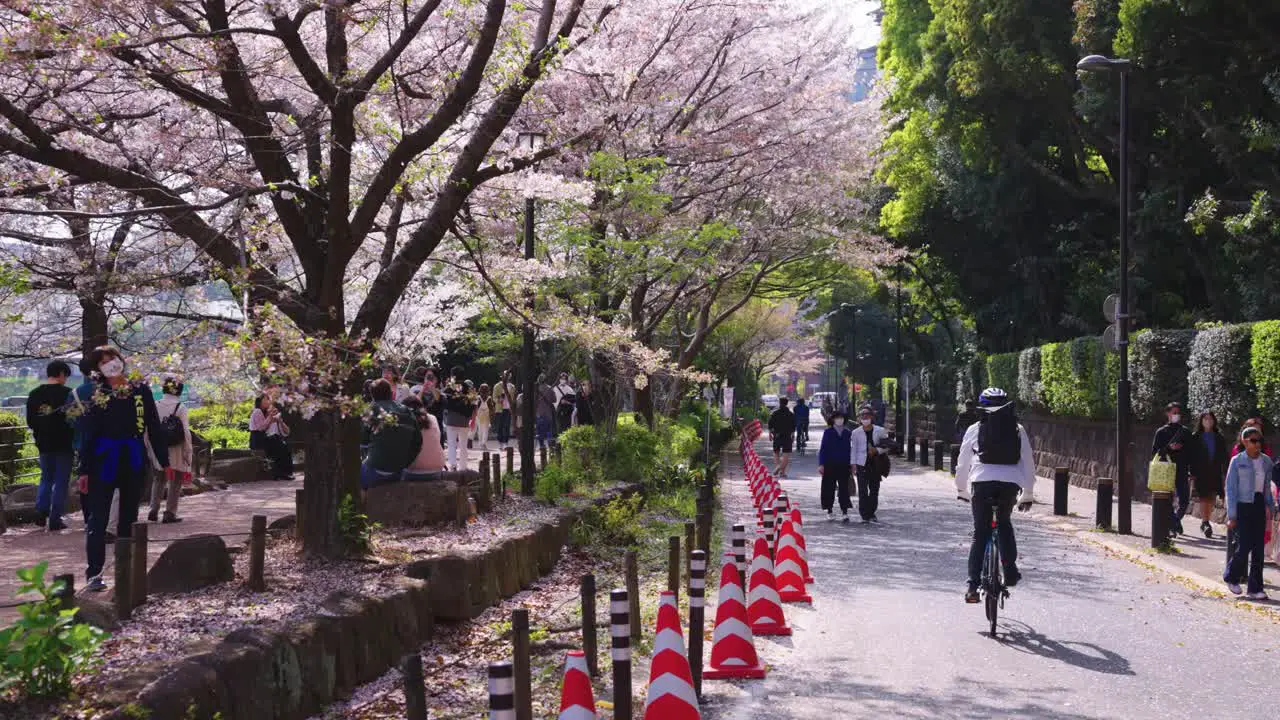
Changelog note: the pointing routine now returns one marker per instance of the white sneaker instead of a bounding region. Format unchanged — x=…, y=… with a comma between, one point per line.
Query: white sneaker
x=95, y=584
x=1235, y=588
x=1257, y=595
x=830, y=516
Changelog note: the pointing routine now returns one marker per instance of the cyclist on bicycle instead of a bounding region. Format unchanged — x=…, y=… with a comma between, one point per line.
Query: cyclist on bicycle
x=994, y=468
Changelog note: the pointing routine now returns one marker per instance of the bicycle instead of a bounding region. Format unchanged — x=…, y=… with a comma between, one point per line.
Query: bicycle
x=992, y=584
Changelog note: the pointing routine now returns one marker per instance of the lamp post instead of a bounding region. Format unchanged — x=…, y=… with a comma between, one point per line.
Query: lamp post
x=1122, y=66
x=528, y=143
x=899, y=426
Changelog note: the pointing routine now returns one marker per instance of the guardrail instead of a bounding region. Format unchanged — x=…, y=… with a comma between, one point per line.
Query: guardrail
x=18, y=459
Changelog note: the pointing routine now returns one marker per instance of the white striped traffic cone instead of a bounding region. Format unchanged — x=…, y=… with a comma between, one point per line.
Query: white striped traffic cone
x=790, y=567
x=733, y=649
x=764, y=608
x=577, y=701
x=671, y=695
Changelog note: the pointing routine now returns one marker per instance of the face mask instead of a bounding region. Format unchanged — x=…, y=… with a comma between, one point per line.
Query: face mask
x=866, y=422
x=112, y=368
x=1175, y=418
x=839, y=422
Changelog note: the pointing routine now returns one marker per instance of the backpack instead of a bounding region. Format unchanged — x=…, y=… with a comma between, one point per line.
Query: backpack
x=173, y=429
x=998, y=439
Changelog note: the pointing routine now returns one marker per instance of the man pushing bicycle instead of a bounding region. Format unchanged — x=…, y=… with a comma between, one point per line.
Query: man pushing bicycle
x=995, y=467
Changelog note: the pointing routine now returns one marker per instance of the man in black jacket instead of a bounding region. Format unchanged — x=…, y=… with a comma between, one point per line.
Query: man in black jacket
x=1173, y=443
x=782, y=428
x=54, y=436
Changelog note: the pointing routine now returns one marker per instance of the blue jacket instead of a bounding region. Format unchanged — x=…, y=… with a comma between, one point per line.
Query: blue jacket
x=835, y=448
x=802, y=415
x=1241, y=484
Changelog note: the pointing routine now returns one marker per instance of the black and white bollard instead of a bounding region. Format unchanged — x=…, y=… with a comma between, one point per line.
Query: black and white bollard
x=697, y=593
x=769, y=515
x=1102, y=514
x=1061, y=486
x=739, y=549
x=1161, y=518
x=502, y=691
x=620, y=634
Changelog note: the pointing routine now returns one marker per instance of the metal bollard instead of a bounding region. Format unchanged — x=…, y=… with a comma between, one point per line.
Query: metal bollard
x=620, y=633
x=257, y=553
x=138, y=573
x=924, y=452
x=123, y=589
x=1061, y=486
x=520, y=662
x=697, y=592
x=415, y=690
x=740, y=548
x=589, y=624
x=673, y=565
x=1161, y=518
x=911, y=450
x=1102, y=514
x=502, y=691
x=938, y=447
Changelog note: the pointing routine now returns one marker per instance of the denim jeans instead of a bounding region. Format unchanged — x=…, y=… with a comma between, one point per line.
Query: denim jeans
x=542, y=429
x=370, y=477
x=1249, y=536
x=55, y=474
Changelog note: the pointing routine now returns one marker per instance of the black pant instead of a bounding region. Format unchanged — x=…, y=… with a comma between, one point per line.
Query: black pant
x=835, y=480
x=129, y=483
x=1182, y=487
x=868, y=491
x=277, y=449
x=1005, y=496
x=1250, y=540
x=504, y=427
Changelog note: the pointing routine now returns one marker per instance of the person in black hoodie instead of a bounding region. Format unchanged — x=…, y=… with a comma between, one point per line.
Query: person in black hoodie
x=54, y=436
x=1173, y=442
x=1209, y=467
x=119, y=413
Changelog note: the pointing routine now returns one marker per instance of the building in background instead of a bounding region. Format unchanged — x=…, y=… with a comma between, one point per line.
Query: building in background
x=865, y=74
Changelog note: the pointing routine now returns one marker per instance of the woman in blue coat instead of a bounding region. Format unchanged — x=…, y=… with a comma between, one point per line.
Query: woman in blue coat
x=1248, y=498
x=834, y=465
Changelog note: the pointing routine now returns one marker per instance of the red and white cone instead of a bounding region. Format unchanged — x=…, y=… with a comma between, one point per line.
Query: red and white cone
x=577, y=701
x=798, y=525
x=671, y=695
x=790, y=567
x=764, y=608
x=733, y=648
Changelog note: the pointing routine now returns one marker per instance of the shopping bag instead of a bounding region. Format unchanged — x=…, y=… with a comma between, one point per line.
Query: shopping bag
x=1161, y=475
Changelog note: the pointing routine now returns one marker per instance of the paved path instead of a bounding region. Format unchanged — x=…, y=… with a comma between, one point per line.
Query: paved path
x=1088, y=634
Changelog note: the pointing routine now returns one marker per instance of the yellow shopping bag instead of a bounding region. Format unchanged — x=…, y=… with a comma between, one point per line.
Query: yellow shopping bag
x=1161, y=475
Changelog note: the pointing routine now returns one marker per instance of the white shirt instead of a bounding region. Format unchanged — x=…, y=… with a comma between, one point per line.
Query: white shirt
x=1259, y=475
x=970, y=469
x=402, y=392
x=258, y=421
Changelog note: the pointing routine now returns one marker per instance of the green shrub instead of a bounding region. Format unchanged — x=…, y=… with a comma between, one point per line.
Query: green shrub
x=631, y=455
x=1073, y=377
x=46, y=647
x=971, y=380
x=583, y=451
x=554, y=482
x=1218, y=377
x=13, y=431
x=219, y=434
x=219, y=423
x=1158, y=370
x=617, y=524
x=889, y=389
x=1030, y=387
x=677, y=444
x=354, y=527
x=1265, y=368
x=1002, y=372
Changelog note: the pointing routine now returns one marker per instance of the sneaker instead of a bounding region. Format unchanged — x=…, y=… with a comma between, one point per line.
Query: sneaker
x=95, y=584
x=170, y=518
x=1177, y=527
x=154, y=515
x=1235, y=588
x=845, y=517
x=1012, y=578
x=866, y=521
x=42, y=518
x=1207, y=529
x=1260, y=595
x=830, y=515
x=875, y=519
x=56, y=525
x=971, y=596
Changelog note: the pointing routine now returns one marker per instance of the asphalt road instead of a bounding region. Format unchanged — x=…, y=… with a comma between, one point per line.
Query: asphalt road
x=1086, y=635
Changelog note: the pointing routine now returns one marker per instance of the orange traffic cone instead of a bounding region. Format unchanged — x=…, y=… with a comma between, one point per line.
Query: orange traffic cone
x=764, y=608
x=733, y=649
x=671, y=695
x=798, y=526
x=791, y=567
x=577, y=702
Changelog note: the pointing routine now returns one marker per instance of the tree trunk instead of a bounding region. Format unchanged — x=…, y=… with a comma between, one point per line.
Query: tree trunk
x=93, y=324
x=332, y=473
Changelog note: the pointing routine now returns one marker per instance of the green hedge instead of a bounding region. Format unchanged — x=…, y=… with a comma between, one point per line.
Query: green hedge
x=1265, y=368
x=13, y=430
x=1074, y=375
x=889, y=389
x=1002, y=372
x=971, y=380
x=1030, y=386
x=1220, y=377
x=1158, y=368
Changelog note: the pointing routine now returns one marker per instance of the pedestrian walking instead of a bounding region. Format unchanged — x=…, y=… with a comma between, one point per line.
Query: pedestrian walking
x=782, y=429
x=834, y=452
x=504, y=398
x=585, y=415
x=119, y=413
x=964, y=420
x=1173, y=442
x=867, y=444
x=544, y=412
x=54, y=436
x=566, y=400
x=429, y=462
x=801, y=412
x=1248, y=497
x=391, y=433
x=484, y=416
x=459, y=408
x=177, y=434
x=269, y=433
x=1209, y=467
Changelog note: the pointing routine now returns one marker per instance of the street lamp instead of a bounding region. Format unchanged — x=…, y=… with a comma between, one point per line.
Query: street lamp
x=1122, y=66
x=528, y=142
x=899, y=421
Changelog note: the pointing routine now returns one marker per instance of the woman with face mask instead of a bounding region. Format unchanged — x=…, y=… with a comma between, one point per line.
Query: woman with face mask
x=867, y=443
x=1174, y=442
x=833, y=465
x=119, y=414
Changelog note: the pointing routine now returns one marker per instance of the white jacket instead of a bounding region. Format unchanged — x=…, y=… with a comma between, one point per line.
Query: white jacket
x=179, y=455
x=970, y=469
x=858, y=442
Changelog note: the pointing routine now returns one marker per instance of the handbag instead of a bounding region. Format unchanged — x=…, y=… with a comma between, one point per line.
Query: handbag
x=882, y=463
x=1161, y=475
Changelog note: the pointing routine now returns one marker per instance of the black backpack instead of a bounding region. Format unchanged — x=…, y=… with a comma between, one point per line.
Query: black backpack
x=998, y=439
x=173, y=429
